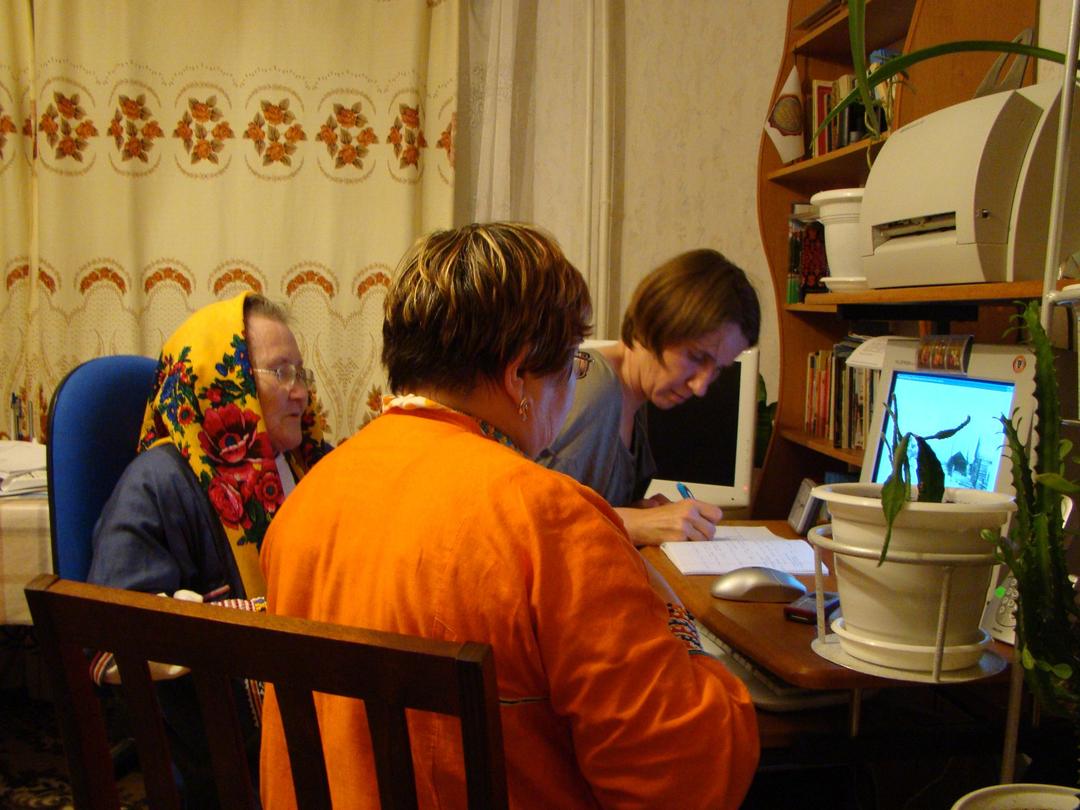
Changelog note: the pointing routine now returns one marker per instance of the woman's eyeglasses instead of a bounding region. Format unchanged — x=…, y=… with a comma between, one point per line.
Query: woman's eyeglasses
x=580, y=367
x=288, y=375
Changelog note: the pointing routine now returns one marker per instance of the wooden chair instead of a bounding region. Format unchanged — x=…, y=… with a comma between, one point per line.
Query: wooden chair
x=389, y=672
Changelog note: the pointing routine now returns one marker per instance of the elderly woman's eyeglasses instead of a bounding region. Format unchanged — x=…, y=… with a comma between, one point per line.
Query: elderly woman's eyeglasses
x=288, y=375
x=580, y=367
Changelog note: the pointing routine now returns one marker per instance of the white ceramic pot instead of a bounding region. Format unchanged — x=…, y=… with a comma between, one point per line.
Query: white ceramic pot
x=1019, y=797
x=890, y=612
x=838, y=211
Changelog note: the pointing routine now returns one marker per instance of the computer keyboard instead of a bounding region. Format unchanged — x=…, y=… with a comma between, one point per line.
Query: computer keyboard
x=767, y=690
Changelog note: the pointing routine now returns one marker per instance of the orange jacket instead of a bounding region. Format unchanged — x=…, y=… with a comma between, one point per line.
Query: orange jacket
x=421, y=525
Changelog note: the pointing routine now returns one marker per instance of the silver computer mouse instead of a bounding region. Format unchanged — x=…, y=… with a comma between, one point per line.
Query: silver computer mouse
x=755, y=583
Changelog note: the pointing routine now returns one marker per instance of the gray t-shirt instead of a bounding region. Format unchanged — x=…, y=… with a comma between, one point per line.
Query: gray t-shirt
x=589, y=448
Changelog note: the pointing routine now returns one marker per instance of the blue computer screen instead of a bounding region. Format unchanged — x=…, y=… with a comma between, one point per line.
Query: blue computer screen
x=927, y=403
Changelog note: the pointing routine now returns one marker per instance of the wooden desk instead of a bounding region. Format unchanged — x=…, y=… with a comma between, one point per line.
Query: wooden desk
x=783, y=647
x=759, y=629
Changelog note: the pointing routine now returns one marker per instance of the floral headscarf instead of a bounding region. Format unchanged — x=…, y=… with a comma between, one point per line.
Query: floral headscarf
x=205, y=403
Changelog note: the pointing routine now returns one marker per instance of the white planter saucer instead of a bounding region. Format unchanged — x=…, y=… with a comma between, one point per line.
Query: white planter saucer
x=896, y=655
x=989, y=663
x=845, y=283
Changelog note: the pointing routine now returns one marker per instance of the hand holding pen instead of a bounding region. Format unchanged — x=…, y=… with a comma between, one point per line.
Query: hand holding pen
x=657, y=520
x=707, y=512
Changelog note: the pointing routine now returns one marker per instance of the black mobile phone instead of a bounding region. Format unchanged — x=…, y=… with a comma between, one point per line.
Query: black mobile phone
x=804, y=609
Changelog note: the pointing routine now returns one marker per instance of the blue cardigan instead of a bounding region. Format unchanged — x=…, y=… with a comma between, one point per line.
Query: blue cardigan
x=158, y=532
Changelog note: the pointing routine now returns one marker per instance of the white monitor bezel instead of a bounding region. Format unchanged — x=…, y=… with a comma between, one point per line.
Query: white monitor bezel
x=738, y=493
x=1007, y=363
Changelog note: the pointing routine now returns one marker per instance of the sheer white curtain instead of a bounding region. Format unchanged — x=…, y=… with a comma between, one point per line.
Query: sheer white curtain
x=535, y=133
x=186, y=151
x=18, y=296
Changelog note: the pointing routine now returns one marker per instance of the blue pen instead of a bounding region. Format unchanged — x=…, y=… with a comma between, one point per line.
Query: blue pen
x=684, y=490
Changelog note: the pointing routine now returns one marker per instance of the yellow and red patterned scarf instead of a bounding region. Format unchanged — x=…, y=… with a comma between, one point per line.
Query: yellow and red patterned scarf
x=205, y=403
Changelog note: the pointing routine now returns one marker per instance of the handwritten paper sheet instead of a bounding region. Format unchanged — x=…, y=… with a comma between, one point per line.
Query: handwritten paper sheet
x=740, y=546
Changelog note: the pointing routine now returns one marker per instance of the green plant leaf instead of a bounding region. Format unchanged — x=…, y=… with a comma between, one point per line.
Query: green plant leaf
x=895, y=492
x=945, y=434
x=1063, y=671
x=857, y=35
x=1057, y=482
x=1027, y=659
x=931, y=476
x=1065, y=450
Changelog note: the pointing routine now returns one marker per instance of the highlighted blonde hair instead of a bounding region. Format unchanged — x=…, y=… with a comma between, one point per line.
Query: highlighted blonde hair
x=466, y=302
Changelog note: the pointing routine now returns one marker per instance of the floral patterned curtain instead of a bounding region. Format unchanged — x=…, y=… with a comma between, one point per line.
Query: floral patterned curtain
x=156, y=156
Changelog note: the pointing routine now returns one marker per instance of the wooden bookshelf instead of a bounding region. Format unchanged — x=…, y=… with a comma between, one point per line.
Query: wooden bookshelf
x=822, y=53
x=987, y=293
x=847, y=166
x=887, y=21
x=851, y=457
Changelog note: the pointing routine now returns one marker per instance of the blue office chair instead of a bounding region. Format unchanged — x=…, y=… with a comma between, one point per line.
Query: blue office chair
x=94, y=423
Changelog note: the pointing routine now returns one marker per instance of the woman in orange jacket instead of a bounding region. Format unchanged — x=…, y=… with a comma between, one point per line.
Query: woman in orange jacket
x=435, y=521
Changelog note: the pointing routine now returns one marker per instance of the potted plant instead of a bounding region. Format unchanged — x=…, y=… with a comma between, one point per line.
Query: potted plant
x=897, y=560
x=1048, y=616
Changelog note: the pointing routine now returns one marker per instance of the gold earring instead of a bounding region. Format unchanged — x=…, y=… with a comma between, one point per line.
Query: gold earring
x=523, y=409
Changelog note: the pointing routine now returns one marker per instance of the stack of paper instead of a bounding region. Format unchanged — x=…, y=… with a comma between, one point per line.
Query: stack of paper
x=22, y=468
x=740, y=546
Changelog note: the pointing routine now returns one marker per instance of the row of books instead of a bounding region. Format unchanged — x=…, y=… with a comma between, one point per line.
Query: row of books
x=849, y=125
x=839, y=397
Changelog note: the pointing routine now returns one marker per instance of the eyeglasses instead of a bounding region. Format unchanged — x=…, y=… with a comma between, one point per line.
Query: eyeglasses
x=580, y=367
x=288, y=375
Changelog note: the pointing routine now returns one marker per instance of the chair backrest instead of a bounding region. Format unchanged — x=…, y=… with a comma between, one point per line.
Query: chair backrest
x=94, y=422
x=389, y=672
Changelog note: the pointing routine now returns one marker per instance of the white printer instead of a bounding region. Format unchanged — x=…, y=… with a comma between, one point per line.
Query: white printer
x=963, y=194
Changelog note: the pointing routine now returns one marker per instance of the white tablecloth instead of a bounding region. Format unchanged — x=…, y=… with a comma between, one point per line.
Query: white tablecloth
x=25, y=552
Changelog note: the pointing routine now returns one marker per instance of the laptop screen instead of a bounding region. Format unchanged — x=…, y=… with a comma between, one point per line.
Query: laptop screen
x=927, y=403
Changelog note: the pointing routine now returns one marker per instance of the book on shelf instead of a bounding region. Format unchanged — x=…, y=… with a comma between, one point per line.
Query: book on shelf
x=813, y=265
x=816, y=412
x=801, y=213
x=838, y=127
x=821, y=101
x=850, y=125
x=839, y=397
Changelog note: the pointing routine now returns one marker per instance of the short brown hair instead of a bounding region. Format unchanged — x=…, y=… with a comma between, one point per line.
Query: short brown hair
x=465, y=302
x=691, y=295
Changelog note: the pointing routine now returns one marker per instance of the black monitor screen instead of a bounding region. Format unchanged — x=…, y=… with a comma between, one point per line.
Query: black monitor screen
x=696, y=440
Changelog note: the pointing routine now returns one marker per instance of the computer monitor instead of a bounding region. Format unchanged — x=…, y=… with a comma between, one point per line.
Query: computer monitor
x=707, y=443
x=937, y=390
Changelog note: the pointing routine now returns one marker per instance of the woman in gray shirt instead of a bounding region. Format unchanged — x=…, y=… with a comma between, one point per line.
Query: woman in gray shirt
x=688, y=319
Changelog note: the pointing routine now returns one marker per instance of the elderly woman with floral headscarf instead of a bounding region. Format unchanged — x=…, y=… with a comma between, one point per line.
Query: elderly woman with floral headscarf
x=435, y=521
x=230, y=425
